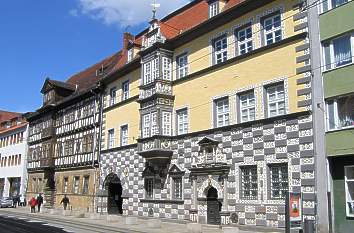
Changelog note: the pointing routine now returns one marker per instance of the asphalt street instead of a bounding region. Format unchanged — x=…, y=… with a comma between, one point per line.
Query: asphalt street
x=15, y=225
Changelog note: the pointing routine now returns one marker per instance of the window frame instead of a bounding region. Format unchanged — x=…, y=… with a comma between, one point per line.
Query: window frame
x=85, y=189
x=166, y=68
x=224, y=113
x=336, y=121
x=328, y=5
x=213, y=8
x=328, y=55
x=281, y=190
x=78, y=184
x=166, y=123
x=223, y=51
x=185, y=121
x=248, y=107
x=273, y=30
x=112, y=96
x=130, y=55
x=111, y=138
x=124, y=139
x=277, y=100
x=125, y=90
x=246, y=41
x=182, y=71
x=346, y=180
x=242, y=183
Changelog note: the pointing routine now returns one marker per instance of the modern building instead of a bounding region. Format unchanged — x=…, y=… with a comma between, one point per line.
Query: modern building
x=209, y=117
x=63, y=135
x=13, y=149
x=332, y=33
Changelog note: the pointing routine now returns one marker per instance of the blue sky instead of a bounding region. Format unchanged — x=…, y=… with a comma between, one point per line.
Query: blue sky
x=58, y=38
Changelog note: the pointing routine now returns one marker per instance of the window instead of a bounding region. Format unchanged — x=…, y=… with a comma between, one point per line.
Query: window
x=244, y=40
x=76, y=184
x=249, y=183
x=69, y=147
x=278, y=181
x=130, y=54
x=112, y=96
x=182, y=121
x=149, y=188
x=177, y=187
x=349, y=190
x=166, y=123
x=124, y=135
x=276, y=100
x=182, y=65
x=340, y=112
x=150, y=126
x=272, y=29
x=125, y=90
x=85, y=184
x=111, y=138
x=330, y=4
x=151, y=71
x=247, y=106
x=65, y=184
x=220, y=50
x=338, y=52
x=87, y=143
x=166, y=68
x=222, y=112
x=213, y=8
x=146, y=125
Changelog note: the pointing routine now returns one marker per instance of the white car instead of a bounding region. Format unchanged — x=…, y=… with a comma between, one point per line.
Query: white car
x=6, y=202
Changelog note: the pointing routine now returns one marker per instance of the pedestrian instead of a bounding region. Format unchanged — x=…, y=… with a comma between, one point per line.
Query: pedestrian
x=14, y=201
x=39, y=202
x=32, y=203
x=22, y=200
x=65, y=201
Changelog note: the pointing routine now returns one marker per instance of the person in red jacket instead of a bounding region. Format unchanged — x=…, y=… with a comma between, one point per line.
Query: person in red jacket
x=33, y=203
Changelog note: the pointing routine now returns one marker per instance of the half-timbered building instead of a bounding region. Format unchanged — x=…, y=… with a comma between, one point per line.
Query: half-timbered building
x=63, y=135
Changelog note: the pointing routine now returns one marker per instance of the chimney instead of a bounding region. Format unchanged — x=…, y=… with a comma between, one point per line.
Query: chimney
x=126, y=38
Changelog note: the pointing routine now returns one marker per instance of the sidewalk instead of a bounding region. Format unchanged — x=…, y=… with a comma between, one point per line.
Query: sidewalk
x=129, y=223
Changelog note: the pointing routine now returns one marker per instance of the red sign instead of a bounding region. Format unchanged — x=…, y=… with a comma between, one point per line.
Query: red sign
x=295, y=206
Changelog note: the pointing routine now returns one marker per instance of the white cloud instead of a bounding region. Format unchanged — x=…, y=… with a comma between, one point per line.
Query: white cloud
x=126, y=12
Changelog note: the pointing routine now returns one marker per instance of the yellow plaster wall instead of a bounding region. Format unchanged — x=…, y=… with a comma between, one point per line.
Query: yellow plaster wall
x=77, y=201
x=199, y=49
x=197, y=93
x=122, y=115
x=134, y=82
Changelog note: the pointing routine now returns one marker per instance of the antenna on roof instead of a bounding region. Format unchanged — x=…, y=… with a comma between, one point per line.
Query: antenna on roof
x=154, y=9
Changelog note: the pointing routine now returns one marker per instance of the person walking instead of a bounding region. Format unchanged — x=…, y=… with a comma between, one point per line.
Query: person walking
x=65, y=201
x=33, y=203
x=39, y=202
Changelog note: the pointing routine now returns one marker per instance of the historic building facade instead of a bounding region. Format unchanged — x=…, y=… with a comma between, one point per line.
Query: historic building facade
x=209, y=118
x=13, y=149
x=332, y=28
x=63, y=136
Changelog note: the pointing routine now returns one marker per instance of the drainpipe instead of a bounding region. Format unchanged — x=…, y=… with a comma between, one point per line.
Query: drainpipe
x=98, y=97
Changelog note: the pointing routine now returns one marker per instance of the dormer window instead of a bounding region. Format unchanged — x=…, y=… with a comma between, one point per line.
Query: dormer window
x=213, y=8
x=47, y=97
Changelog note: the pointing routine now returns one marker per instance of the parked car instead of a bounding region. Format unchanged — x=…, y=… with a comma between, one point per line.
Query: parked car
x=6, y=202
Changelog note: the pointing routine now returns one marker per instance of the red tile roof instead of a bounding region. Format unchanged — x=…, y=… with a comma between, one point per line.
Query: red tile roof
x=6, y=116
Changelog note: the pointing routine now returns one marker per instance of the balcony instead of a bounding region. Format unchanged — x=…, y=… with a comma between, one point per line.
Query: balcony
x=156, y=148
x=158, y=87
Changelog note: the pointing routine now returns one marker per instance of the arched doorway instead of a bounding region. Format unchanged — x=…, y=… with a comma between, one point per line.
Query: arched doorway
x=114, y=187
x=213, y=206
